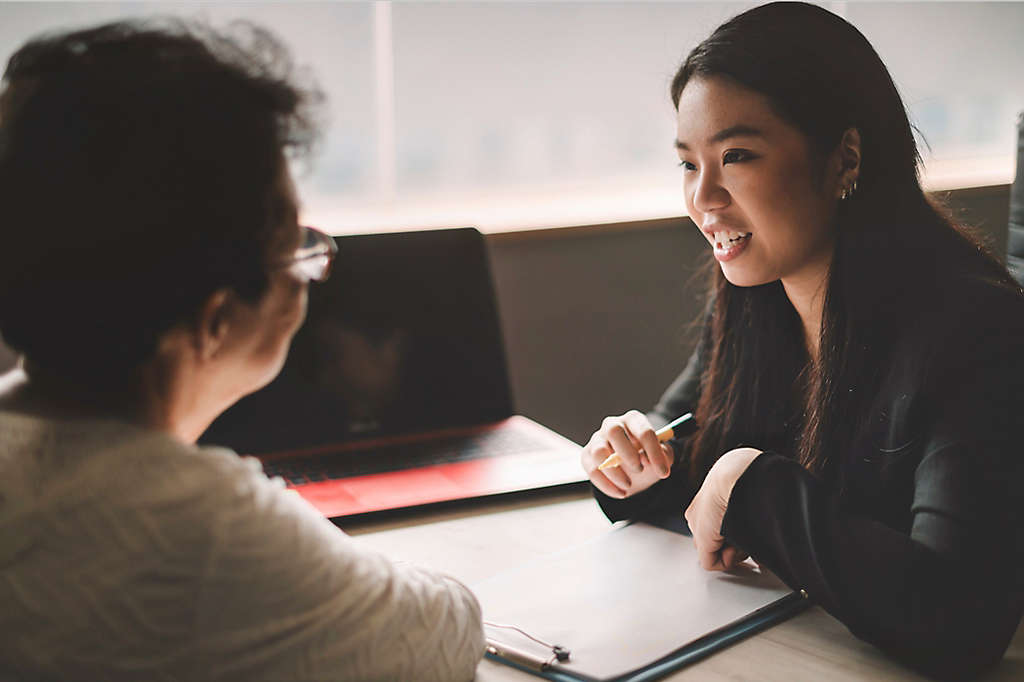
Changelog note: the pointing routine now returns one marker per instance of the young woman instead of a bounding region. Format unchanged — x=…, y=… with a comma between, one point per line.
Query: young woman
x=859, y=381
x=152, y=272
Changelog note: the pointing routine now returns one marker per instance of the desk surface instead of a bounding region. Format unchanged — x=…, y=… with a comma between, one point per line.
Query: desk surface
x=476, y=542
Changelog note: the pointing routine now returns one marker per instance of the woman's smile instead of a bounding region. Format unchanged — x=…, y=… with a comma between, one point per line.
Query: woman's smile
x=728, y=244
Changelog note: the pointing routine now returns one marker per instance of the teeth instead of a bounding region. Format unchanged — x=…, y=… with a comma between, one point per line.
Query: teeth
x=724, y=239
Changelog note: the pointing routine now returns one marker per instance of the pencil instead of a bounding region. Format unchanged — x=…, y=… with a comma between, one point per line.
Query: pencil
x=665, y=433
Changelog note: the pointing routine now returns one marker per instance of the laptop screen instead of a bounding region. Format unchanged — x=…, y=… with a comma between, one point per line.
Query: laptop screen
x=404, y=337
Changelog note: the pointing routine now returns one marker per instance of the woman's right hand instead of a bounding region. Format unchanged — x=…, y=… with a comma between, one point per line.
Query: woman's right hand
x=644, y=460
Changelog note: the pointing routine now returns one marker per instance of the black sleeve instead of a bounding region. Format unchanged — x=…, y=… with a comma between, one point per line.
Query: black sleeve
x=673, y=493
x=945, y=598
x=682, y=394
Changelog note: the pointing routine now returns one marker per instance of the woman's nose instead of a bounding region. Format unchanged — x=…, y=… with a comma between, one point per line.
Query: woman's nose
x=708, y=193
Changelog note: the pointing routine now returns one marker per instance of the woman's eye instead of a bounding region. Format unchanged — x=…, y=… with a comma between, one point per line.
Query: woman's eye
x=687, y=166
x=735, y=156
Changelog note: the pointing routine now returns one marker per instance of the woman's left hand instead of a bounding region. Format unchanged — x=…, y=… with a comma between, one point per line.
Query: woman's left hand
x=705, y=513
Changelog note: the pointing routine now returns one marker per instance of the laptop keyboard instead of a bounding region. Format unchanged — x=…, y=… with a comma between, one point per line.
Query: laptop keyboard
x=382, y=459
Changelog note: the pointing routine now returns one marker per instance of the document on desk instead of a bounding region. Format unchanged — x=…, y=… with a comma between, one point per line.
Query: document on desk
x=633, y=604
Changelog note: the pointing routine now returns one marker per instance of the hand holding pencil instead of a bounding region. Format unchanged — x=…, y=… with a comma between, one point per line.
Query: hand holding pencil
x=664, y=434
x=626, y=455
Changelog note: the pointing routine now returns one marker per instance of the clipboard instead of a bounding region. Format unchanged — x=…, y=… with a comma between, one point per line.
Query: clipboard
x=630, y=606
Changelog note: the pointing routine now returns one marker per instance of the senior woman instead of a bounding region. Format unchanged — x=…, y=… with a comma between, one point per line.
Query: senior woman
x=152, y=272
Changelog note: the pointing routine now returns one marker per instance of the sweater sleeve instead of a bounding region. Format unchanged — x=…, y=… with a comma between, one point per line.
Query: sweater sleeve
x=675, y=492
x=946, y=597
x=288, y=596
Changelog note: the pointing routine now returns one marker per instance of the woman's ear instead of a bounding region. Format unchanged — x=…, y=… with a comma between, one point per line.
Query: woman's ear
x=849, y=162
x=213, y=323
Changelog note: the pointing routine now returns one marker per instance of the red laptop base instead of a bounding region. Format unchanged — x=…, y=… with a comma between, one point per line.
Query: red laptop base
x=557, y=464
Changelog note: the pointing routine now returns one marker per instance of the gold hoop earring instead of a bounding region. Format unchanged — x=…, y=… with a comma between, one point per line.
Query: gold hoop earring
x=848, y=191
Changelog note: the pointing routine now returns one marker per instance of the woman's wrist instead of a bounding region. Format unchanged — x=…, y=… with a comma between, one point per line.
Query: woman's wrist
x=728, y=469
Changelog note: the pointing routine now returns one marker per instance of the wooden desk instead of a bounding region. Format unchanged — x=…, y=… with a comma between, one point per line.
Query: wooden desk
x=477, y=542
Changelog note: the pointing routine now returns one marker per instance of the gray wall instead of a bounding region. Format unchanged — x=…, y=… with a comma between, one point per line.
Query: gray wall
x=597, y=319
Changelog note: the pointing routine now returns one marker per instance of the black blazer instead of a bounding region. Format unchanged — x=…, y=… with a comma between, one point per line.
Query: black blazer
x=916, y=542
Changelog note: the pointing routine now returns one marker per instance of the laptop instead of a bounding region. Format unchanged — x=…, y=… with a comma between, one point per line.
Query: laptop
x=395, y=392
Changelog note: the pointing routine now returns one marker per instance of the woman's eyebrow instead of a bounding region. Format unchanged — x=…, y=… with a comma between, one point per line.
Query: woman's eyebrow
x=740, y=130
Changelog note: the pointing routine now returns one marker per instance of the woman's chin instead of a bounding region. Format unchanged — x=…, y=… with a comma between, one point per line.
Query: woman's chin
x=742, y=277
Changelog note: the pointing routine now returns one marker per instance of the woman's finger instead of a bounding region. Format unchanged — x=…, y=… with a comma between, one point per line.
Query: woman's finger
x=705, y=536
x=614, y=432
x=732, y=556
x=641, y=428
x=709, y=553
x=709, y=561
x=594, y=452
x=618, y=477
x=602, y=483
x=670, y=456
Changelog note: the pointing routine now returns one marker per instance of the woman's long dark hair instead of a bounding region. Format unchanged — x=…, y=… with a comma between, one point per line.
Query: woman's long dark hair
x=894, y=250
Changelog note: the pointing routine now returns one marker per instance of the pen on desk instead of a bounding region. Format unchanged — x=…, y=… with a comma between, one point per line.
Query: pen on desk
x=665, y=433
x=523, y=658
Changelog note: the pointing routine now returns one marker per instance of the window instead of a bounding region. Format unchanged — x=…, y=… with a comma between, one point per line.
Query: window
x=518, y=115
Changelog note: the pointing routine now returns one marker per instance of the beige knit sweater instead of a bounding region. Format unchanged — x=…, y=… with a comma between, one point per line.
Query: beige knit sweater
x=126, y=555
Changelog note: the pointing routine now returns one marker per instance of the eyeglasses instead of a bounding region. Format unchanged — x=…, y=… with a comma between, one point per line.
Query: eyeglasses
x=312, y=260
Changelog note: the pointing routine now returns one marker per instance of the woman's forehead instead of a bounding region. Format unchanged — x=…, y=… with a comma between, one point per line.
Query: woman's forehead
x=714, y=109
